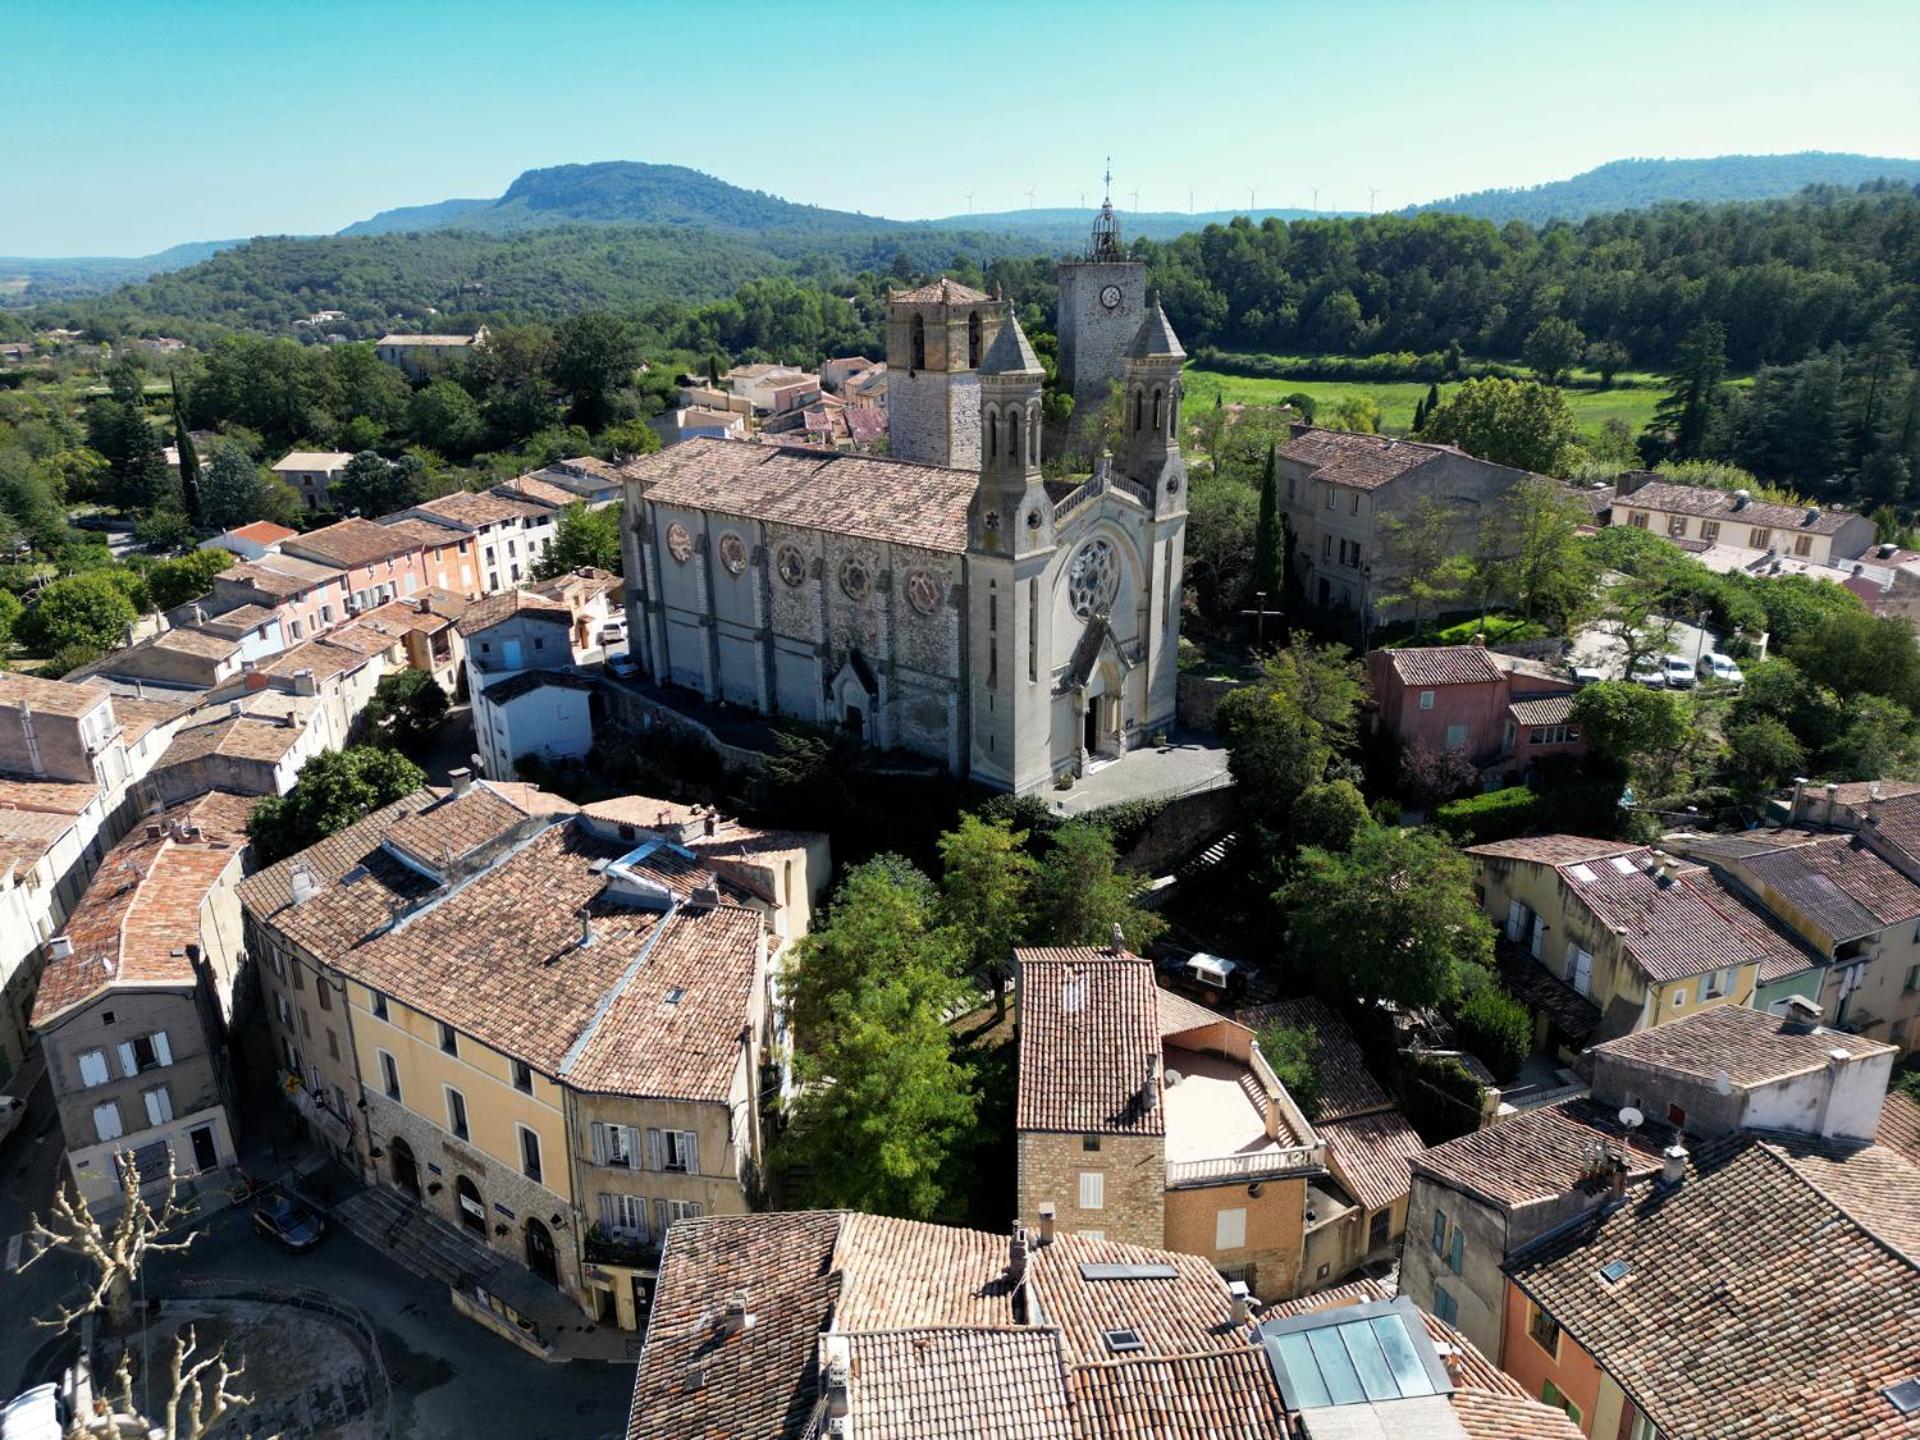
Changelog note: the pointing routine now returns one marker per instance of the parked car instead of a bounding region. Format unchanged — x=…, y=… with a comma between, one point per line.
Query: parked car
x=1679, y=674
x=1650, y=672
x=1210, y=979
x=287, y=1221
x=1584, y=675
x=1721, y=669
x=622, y=667
x=13, y=1110
x=614, y=632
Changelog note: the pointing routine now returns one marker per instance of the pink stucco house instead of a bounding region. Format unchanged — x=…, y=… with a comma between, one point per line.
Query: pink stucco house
x=1504, y=711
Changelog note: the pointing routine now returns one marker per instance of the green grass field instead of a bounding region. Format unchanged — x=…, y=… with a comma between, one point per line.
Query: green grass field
x=1632, y=399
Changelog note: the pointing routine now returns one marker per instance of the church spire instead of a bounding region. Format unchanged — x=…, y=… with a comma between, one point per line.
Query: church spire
x=1009, y=513
x=1106, y=227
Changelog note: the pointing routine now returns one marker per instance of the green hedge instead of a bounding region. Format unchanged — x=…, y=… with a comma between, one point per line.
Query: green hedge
x=1496, y=815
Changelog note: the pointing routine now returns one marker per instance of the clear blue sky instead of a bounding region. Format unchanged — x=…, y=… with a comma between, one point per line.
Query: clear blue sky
x=136, y=124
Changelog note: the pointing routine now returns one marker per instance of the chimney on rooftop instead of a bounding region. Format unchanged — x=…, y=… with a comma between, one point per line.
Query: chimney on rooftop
x=1617, y=1179
x=1673, y=1165
x=1242, y=1310
x=1117, y=940
x=1047, y=1214
x=1813, y=513
x=1833, y=796
x=586, y=929
x=301, y=884
x=1017, y=1255
x=1742, y=499
x=1799, y=811
x=1873, y=803
x=1479, y=641
x=738, y=1318
x=712, y=823
x=303, y=683
x=461, y=778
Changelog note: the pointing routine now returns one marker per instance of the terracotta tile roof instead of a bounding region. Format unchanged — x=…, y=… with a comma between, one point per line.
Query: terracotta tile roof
x=49, y=697
x=959, y=1385
x=426, y=534
x=1445, y=665
x=324, y=656
x=455, y=826
x=197, y=643
x=1347, y=1087
x=1899, y=824
x=1900, y=1125
x=142, y=908
x=864, y=497
x=269, y=891
x=280, y=575
x=1364, y=462
x=1089, y=1043
x=443, y=609
x=1839, y=883
x=1544, y=710
x=641, y=810
x=938, y=292
x=1725, y=505
x=234, y=623
x=241, y=737
x=899, y=1274
x=263, y=532
x=475, y=509
x=1177, y=1014
x=352, y=542
x=1354, y=1292
x=536, y=491
x=497, y=956
x=1554, y=849
x=138, y=716
x=1484, y=1415
x=1536, y=1155
x=1222, y=1396
x=1793, y=1316
x=58, y=797
x=1782, y=952
x=1369, y=1154
x=1540, y=990
x=1750, y=1046
x=509, y=603
x=1187, y=1313
x=1858, y=792
x=1875, y=1184
x=696, y=1383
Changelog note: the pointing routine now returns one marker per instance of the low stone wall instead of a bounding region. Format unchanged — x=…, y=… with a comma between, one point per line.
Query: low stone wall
x=639, y=715
x=1198, y=696
x=1185, y=826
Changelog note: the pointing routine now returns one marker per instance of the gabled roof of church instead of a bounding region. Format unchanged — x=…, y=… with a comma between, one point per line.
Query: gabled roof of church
x=1155, y=337
x=1010, y=354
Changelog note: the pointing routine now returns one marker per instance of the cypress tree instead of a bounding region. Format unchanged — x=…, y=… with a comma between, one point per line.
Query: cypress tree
x=1433, y=398
x=1267, y=573
x=189, y=460
x=1419, y=415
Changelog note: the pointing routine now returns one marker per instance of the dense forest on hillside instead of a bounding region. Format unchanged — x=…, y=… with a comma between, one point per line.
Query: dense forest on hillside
x=1638, y=184
x=1782, y=277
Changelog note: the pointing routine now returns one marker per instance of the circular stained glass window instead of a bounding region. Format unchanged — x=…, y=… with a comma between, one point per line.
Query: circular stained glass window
x=679, y=542
x=923, y=592
x=1093, y=576
x=733, y=553
x=791, y=564
x=855, y=579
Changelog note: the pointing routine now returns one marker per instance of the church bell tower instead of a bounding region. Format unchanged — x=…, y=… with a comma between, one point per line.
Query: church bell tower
x=1102, y=300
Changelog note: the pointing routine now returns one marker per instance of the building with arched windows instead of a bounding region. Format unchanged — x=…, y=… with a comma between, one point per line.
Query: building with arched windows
x=948, y=599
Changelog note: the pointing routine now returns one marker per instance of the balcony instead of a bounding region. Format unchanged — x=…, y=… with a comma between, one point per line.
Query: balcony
x=633, y=1254
x=1261, y=1165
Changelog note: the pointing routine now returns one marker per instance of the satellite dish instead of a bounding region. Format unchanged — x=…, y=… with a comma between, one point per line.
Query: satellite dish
x=1723, y=1083
x=1631, y=1118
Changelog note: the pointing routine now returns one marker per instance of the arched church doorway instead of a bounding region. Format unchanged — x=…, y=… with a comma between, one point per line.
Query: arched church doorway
x=540, y=1257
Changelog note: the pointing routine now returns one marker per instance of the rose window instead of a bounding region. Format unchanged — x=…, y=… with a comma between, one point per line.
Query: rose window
x=1093, y=576
x=791, y=564
x=733, y=553
x=855, y=579
x=679, y=542
x=923, y=592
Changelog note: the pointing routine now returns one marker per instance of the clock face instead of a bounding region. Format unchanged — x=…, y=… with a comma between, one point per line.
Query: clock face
x=1110, y=297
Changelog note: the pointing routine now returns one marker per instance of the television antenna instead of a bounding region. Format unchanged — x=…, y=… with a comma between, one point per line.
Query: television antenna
x=1631, y=1119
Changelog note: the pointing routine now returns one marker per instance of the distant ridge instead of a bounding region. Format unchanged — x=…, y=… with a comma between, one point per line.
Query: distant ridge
x=1636, y=184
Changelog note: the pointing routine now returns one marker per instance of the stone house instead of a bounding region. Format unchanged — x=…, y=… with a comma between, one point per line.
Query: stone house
x=420, y=356
x=72, y=761
x=250, y=746
x=258, y=631
x=379, y=562
x=508, y=536
x=135, y=1000
x=468, y=964
x=311, y=473
x=427, y=628
x=309, y=597
x=526, y=697
x=593, y=597
x=1852, y=911
x=1343, y=494
x=588, y=481
x=1503, y=711
x=1733, y=517
x=178, y=659
x=1642, y=937
x=1144, y=1118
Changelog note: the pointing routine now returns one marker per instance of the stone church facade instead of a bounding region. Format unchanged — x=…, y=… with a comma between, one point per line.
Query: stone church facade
x=960, y=607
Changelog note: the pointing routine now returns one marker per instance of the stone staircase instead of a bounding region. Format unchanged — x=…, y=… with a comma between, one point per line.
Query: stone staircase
x=388, y=1221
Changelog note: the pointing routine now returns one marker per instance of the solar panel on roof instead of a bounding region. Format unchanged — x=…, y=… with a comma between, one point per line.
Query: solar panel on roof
x=1622, y=864
x=1905, y=1396
x=1354, y=1355
x=1093, y=1271
x=1582, y=873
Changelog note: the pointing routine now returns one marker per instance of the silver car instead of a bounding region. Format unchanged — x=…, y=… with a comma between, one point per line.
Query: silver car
x=1720, y=668
x=1678, y=672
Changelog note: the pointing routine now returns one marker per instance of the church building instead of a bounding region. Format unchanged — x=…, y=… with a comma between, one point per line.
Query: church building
x=946, y=599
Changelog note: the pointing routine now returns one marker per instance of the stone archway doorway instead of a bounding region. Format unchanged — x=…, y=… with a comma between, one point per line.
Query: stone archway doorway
x=473, y=1210
x=405, y=1169
x=541, y=1259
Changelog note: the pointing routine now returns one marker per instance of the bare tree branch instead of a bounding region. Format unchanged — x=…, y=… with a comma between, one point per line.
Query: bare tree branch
x=115, y=1253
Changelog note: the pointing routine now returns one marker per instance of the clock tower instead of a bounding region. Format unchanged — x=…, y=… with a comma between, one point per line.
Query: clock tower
x=1103, y=300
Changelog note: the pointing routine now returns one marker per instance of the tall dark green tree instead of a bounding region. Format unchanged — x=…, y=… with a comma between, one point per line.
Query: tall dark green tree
x=189, y=459
x=1269, y=574
x=1419, y=415
x=1684, y=418
x=1433, y=391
